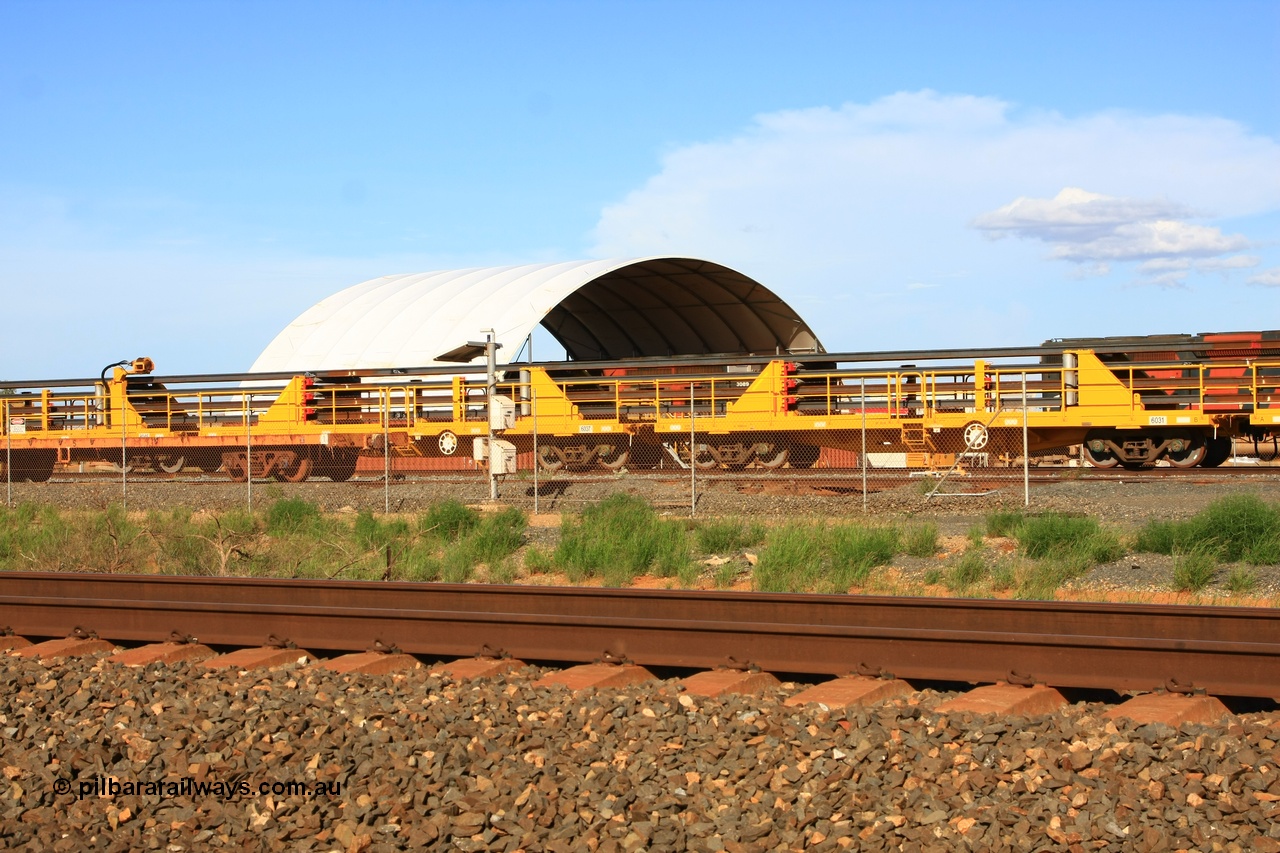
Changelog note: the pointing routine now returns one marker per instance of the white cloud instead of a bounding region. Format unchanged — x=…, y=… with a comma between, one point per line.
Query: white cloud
x=866, y=199
x=1267, y=278
x=1092, y=228
x=1233, y=262
x=1147, y=240
x=1074, y=215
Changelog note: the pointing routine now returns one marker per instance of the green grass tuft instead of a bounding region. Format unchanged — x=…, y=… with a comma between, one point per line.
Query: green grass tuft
x=538, y=560
x=1242, y=581
x=448, y=520
x=496, y=537
x=373, y=534
x=1003, y=522
x=1193, y=570
x=1070, y=539
x=921, y=540
x=967, y=573
x=728, y=536
x=619, y=538
x=822, y=558
x=292, y=515
x=1233, y=529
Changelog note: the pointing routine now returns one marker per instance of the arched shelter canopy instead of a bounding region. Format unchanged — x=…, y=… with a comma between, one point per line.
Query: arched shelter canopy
x=604, y=309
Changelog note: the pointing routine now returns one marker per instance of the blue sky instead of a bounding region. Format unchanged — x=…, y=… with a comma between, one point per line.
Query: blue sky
x=181, y=180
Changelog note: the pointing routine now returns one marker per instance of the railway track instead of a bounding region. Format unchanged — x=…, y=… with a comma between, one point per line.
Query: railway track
x=814, y=481
x=485, y=758
x=1226, y=651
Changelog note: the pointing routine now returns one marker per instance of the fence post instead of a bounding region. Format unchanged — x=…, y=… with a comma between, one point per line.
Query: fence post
x=386, y=451
x=248, y=449
x=693, y=458
x=8, y=457
x=1026, y=455
x=533, y=408
x=863, y=455
x=124, y=450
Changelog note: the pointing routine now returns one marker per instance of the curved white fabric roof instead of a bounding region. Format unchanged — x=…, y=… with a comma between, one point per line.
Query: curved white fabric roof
x=603, y=309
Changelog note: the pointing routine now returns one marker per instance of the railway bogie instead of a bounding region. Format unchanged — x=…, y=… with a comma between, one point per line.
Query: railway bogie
x=1176, y=400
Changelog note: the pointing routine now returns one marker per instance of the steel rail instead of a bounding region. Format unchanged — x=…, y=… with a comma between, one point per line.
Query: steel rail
x=818, y=477
x=1223, y=650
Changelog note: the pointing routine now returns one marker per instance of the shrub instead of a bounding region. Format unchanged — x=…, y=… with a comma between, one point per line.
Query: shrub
x=112, y=543
x=35, y=536
x=1265, y=552
x=179, y=544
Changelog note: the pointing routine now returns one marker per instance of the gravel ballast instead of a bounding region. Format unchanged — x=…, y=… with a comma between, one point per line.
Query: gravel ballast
x=1123, y=502
x=411, y=762
x=96, y=756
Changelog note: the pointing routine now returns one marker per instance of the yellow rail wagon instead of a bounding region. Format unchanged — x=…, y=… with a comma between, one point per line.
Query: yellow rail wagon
x=1131, y=402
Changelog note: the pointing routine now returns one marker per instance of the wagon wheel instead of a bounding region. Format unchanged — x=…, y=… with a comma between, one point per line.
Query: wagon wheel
x=342, y=466
x=805, y=456
x=550, y=458
x=645, y=456
x=612, y=456
x=34, y=466
x=1101, y=459
x=296, y=470
x=1189, y=458
x=777, y=460
x=1218, y=450
x=448, y=443
x=704, y=457
x=172, y=464
x=234, y=466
